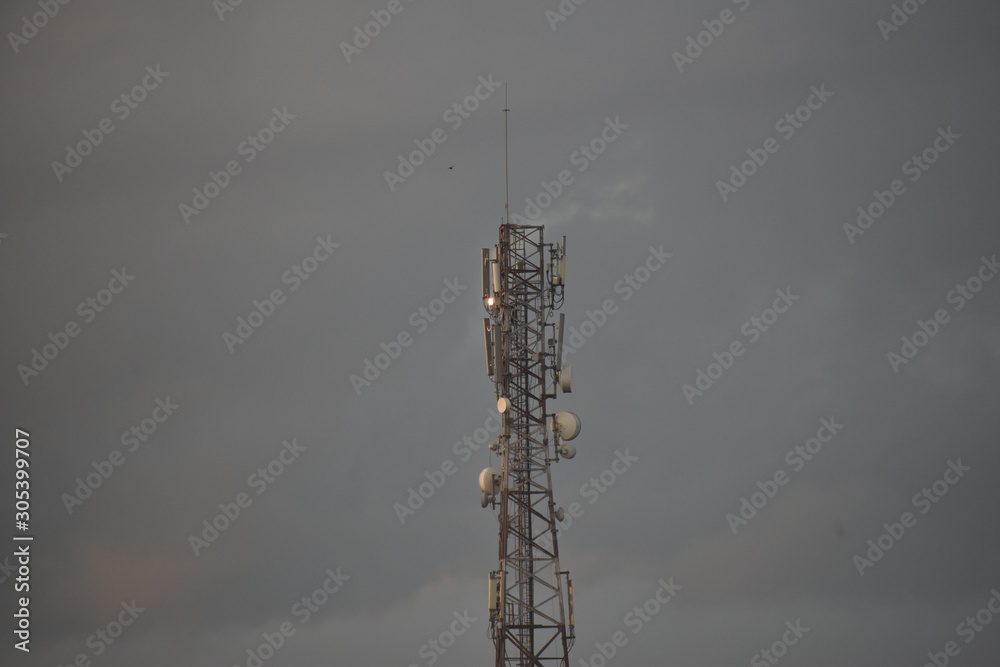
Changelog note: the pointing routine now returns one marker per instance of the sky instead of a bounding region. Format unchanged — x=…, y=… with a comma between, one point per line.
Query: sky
x=239, y=265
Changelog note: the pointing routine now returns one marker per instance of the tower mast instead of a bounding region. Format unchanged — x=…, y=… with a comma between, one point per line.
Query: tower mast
x=530, y=598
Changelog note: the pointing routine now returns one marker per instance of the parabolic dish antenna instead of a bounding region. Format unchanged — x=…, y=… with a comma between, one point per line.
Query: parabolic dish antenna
x=566, y=425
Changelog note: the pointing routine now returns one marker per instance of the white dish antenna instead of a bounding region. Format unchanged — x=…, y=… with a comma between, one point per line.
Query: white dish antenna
x=489, y=481
x=565, y=425
x=489, y=484
x=566, y=379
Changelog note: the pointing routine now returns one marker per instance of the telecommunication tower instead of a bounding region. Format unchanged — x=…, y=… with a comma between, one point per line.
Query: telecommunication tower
x=530, y=598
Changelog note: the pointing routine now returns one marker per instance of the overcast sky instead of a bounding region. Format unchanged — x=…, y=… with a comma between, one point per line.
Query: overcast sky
x=248, y=160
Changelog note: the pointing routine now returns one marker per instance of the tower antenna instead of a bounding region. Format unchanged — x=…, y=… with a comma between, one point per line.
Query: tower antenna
x=532, y=622
x=506, y=178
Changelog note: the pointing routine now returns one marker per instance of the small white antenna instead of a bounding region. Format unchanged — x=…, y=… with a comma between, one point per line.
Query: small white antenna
x=559, y=346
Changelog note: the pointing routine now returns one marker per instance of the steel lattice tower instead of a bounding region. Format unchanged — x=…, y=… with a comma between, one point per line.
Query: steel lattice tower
x=530, y=597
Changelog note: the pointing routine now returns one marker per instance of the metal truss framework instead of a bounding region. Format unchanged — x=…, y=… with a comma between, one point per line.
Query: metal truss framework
x=528, y=624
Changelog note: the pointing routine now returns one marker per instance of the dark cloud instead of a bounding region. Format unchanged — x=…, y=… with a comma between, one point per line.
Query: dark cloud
x=323, y=177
